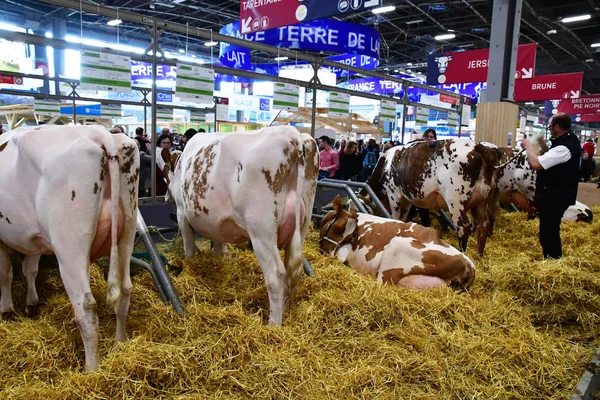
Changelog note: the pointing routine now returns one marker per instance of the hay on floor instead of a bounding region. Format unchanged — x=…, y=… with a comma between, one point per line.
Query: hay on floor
x=525, y=330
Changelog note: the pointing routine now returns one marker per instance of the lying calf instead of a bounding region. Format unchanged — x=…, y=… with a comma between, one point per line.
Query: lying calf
x=578, y=212
x=399, y=253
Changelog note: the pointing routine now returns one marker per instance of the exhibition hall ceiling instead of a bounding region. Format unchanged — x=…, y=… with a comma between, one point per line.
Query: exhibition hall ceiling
x=407, y=32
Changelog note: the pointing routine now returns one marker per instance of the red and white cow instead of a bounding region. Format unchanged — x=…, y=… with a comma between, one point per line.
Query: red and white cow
x=398, y=253
x=241, y=186
x=70, y=191
x=517, y=185
x=457, y=175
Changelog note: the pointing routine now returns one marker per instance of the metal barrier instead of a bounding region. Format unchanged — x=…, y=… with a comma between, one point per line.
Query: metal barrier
x=343, y=186
x=367, y=188
x=161, y=277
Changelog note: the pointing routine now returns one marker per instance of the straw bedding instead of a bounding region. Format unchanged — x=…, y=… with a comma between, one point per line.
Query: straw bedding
x=525, y=330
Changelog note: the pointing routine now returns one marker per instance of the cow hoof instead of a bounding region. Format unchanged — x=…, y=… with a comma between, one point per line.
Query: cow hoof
x=8, y=315
x=32, y=310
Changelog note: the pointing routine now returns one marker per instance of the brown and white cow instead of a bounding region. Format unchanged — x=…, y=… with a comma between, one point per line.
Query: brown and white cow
x=70, y=191
x=457, y=175
x=399, y=253
x=517, y=184
x=241, y=186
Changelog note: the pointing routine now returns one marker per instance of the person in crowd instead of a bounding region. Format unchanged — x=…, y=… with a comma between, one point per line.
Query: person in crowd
x=557, y=180
x=590, y=149
x=342, y=148
x=165, y=131
x=117, y=129
x=350, y=164
x=369, y=156
x=145, y=172
x=139, y=137
x=163, y=142
x=586, y=167
x=185, y=138
x=428, y=136
x=361, y=145
x=329, y=159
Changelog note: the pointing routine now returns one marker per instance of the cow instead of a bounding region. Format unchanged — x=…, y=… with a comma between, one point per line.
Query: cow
x=457, y=175
x=399, y=253
x=258, y=186
x=578, y=212
x=517, y=183
x=70, y=191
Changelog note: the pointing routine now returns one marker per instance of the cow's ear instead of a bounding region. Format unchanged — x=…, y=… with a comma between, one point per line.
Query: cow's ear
x=166, y=156
x=337, y=204
x=352, y=209
x=174, y=158
x=350, y=226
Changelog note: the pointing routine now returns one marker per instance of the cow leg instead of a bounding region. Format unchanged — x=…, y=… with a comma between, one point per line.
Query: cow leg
x=122, y=309
x=273, y=271
x=6, y=275
x=30, y=270
x=483, y=225
x=464, y=228
x=188, y=235
x=219, y=249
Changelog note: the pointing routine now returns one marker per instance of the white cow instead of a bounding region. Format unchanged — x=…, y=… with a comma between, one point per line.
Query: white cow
x=241, y=186
x=578, y=212
x=70, y=191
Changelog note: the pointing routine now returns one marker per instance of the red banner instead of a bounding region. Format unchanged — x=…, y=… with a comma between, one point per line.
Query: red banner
x=472, y=66
x=11, y=80
x=588, y=118
x=549, y=87
x=582, y=105
x=448, y=99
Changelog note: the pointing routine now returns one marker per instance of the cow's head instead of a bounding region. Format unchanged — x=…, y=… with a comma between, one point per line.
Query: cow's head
x=442, y=63
x=170, y=160
x=337, y=228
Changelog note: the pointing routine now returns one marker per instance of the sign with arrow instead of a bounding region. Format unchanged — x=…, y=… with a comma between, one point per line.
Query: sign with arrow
x=580, y=105
x=260, y=15
x=549, y=87
x=472, y=66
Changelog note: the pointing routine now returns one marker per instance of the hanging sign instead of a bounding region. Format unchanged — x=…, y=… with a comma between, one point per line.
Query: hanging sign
x=195, y=84
x=164, y=114
x=222, y=104
x=549, y=87
x=445, y=98
x=210, y=118
x=46, y=107
x=588, y=118
x=339, y=104
x=110, y=110
x=388, y=111
x=422, y=115
x=472, y=65
x=286, y=96
x=11, y=80
x=196, y=118
x=102, y=71
x=259, y=15
x=581, y=105
x=452, y=119
x=465, y=118
x=355, y=45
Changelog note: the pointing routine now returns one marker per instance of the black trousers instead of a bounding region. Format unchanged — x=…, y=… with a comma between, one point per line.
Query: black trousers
x=552, y=210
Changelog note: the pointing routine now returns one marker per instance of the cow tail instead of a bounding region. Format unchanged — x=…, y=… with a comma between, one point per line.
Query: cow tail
x=113, y=294
x=293, y=253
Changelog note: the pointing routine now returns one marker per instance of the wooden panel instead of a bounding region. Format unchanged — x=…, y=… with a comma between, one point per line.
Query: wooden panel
x=495, y=121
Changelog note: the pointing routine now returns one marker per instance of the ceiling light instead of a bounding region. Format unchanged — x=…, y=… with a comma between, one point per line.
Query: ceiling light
x=181, y=51
x=211, y=44
x=414, y=21
x=283, y=58
x=114, y=22
x=589, y=60
x=551, y=32
x=595, y=44
x=445, y=36
x=382, y=10
x=409, y=64
x=451, y=30
x=396, y=70
x=530, y=103
x=576, y=18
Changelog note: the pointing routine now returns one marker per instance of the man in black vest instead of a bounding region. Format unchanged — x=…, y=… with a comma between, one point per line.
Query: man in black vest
x=557, y=180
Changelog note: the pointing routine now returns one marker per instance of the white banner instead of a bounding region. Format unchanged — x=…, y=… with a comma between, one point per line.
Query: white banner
x=110, y=110
x=210, y=118
x=101, y=71
x=422, y=115
x=195, y=84
x=286, y=96
x=46, y=107
x=388, y=111
x=197, y=118
x=222, y=108
x=465, y=118
x=339, y=104
x=164, y=114
x=452, y=119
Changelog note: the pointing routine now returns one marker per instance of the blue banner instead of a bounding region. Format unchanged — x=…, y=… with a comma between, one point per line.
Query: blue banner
x=358, y=45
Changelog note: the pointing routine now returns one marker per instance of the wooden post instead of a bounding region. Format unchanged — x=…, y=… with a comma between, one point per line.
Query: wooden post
x=495, y=121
